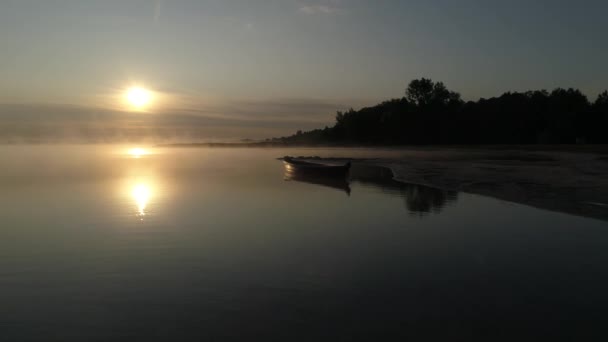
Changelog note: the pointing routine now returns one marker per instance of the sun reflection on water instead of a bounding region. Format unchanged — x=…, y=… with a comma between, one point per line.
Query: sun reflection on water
x=141, y=194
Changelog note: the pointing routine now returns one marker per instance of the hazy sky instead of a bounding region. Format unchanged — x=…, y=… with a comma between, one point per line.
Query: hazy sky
x=259, y=67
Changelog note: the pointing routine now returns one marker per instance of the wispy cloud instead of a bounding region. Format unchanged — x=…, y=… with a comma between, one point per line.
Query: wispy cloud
x=327, y=7
x=157, y=10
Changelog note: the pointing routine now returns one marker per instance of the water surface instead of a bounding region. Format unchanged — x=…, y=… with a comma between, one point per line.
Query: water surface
x=220, y=244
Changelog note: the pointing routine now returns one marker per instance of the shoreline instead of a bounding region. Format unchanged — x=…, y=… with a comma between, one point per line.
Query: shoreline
x=600, y=149
x=571, y=183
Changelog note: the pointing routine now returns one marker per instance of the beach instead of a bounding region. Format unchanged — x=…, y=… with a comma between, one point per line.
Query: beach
x=568, y=181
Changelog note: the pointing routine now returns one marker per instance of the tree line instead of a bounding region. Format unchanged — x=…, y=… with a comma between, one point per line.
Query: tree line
x=429, y=113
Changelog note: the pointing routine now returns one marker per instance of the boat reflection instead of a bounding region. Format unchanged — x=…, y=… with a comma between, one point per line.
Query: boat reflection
x=338, y=183
x=419, y=199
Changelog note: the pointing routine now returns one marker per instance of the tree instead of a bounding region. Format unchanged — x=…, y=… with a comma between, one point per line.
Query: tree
x=424, y=92
x=420, y=91
x=339, y=117
x=432, y=114
x=600, y=119
x=602, y=99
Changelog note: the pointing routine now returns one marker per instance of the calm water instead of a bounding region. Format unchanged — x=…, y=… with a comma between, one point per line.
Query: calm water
x=216, y=244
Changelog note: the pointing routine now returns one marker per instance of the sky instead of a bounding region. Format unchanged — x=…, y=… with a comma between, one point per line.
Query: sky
x=231, y=69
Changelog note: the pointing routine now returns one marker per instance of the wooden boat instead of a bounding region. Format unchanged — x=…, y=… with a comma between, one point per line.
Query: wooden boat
x=293, y=165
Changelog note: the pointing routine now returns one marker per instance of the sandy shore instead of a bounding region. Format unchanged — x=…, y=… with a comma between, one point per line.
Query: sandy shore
x=569, y=182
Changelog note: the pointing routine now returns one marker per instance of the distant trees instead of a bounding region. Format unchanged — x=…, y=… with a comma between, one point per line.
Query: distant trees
x=598, y=122
x=429, y=113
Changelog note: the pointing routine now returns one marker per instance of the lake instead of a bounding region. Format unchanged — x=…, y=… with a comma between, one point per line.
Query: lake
x=192, y=244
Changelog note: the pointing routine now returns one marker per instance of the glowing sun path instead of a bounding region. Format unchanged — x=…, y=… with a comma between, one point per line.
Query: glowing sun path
x=141, y=194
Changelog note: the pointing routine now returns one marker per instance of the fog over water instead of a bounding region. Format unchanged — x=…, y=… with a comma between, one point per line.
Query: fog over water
x=46, y=123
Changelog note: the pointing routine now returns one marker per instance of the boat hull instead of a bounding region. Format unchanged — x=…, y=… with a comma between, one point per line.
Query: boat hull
x=306, y=168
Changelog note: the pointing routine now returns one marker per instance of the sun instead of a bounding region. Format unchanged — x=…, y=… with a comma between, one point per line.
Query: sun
x=137, y=152
x=138, y=97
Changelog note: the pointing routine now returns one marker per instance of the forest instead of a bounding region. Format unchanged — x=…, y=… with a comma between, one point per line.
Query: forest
x=429, y=113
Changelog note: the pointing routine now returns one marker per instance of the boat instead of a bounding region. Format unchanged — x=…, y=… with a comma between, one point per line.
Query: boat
x=297, y=166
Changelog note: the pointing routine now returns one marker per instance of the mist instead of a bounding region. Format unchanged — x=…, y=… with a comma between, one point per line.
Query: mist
x=231, y=122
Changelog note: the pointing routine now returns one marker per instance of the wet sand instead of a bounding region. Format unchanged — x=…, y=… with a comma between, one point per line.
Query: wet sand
x=563, y=181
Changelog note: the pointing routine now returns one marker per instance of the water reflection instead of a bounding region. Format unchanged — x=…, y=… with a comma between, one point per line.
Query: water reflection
x=423, y=199
x=419, y=199
x=141, y=193
x=338, y=183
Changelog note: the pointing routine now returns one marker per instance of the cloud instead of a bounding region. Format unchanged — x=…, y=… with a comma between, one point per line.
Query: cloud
x=157, y=10
x=329, y=7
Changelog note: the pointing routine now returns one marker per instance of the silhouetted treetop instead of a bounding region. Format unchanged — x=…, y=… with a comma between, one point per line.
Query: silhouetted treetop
x=602, y=99
x=424, y=92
